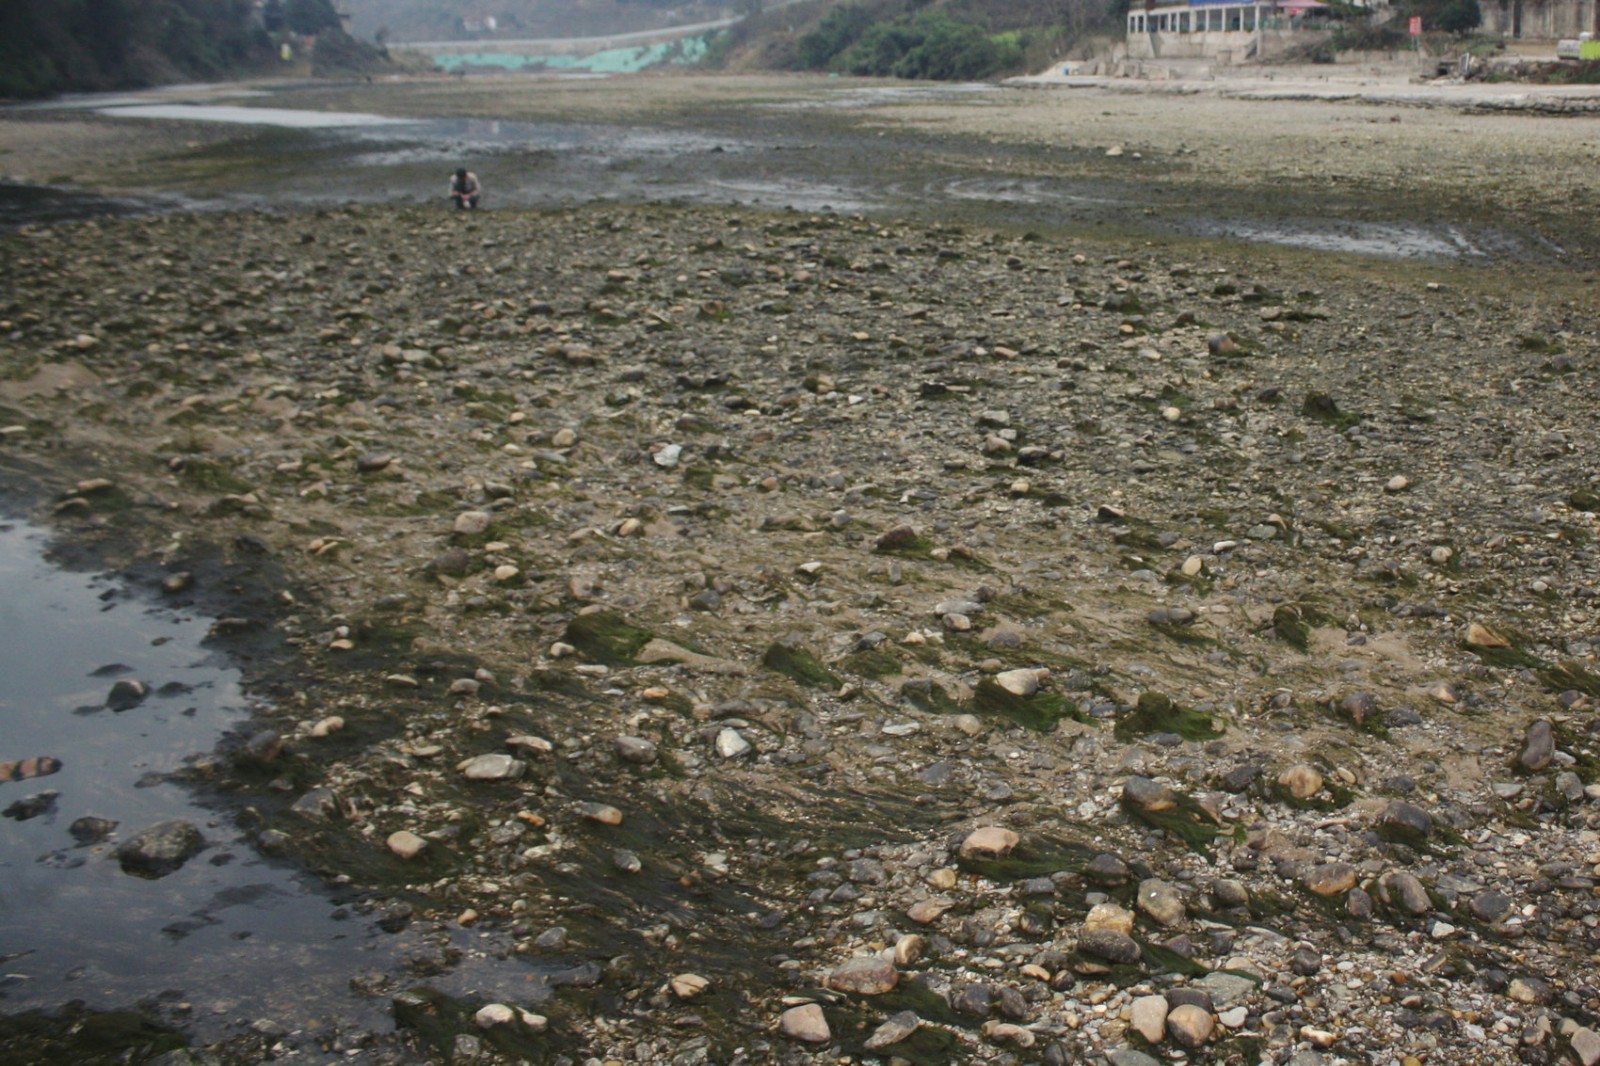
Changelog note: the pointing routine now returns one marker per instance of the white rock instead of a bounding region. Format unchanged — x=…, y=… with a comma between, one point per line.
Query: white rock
x=472, y=523
x=406, y=844
x=667, y=457
x=494, y=1014
x=1021, y=682
x=730, y=745
x=497, y=767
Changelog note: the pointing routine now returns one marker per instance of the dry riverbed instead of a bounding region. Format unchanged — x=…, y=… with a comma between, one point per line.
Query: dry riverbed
x=793, y=637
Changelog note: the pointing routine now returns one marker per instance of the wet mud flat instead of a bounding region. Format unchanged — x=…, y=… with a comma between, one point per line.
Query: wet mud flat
x=716, y=634
x=1377, y=176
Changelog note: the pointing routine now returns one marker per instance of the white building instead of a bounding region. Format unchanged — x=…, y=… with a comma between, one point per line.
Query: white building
x=1228, y=31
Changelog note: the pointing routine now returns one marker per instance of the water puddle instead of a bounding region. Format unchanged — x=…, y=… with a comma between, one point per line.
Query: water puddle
x=221, y=932
x=282, y=117
x=1390, y=240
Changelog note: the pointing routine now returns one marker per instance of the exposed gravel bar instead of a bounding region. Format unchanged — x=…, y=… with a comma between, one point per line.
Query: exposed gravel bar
x=802, y=638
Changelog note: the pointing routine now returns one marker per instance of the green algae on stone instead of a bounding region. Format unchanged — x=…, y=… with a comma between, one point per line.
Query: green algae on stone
x=1321, y=407
x=1292, y=623
x=799, y=665
x=1184, y=819
x=1571, y=676
x=1031, y=858
x=604, y=637
x=873, y=663
x=1156, y=713
x=930, y=696
x=1039, y=712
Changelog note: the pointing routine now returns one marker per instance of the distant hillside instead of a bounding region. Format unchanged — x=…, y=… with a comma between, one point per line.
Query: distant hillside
x=941, y=40
x=449, y=20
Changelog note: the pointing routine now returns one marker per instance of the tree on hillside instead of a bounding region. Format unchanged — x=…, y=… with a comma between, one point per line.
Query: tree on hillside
x=310, y=17
x=91, y=45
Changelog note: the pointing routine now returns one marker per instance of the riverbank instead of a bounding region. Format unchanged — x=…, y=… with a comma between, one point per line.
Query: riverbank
x=681, y=602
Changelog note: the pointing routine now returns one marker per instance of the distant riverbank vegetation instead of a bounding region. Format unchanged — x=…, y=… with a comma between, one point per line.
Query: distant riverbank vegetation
x=952, y=40
x=98, y=45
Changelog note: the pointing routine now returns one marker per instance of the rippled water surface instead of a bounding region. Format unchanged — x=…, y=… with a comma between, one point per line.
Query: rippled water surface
x=223, y=932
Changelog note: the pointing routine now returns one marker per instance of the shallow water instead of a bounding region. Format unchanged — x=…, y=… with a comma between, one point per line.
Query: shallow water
x=225, y=930
x=777, y=156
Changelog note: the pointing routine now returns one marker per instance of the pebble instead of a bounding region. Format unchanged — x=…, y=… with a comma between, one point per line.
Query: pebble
x=1331, y=878
x=494, y=767
x=805, y=1023
x=406, y=844
x=989, y=842
x=1190, y=1026
x=1301, y=781
x=1161, y=902
x=160, y=849
x=1148, y=1017
x=866, y=975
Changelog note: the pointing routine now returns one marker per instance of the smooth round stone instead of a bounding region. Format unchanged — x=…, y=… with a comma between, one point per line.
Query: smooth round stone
x=1407, y=892
x=495, y=767
x=897, y=1028
x=805, y=1023
x=1398, y=483
x=1148, y=1017
x=494, y=1014
x=1540, y=746
x=472, y=523
x=1161, y=901
x=1110, y=916
x=1190, y=1026
x=1331, y=878
x=689, y=985
x=1491, y=905
x=406, y=844
x=1020, y=682
x=989, y=842
x=927, y=910
x=159, y=850
x=866, y=975
x=636, y=750
x=1230, y=893
x=1109, y=945
x=603, y=813
x=1301, y=781
x=1402, y=815
x=1147, y=795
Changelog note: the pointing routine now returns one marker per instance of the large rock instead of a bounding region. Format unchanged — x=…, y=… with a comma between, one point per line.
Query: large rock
x=989, y=842
x=1148, y=1017
x=805, y=1023
x=867, y=975
x=161, y=849
x=1190, y=1026
x=1161, y=901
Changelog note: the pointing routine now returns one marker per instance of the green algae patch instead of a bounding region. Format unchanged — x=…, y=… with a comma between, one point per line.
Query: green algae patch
x=800, y=666
x=1571, y=677
x=1031, y=858
x=929, y=696
x=1156, y=713
x=1292, y=623
x=1039, y=712
x=1184, y=819
x=1165, y=960
x=604, y=637
x=875, y=663
x=77, y=1035
x=1320, y=407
